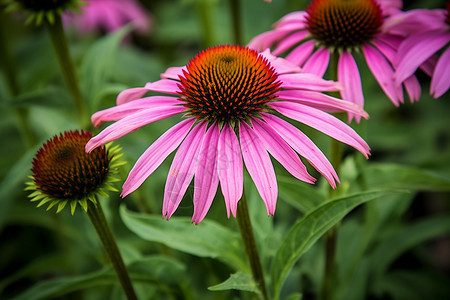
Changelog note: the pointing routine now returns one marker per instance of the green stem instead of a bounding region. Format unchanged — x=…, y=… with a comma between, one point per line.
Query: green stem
x=236, y=21
x=59, y=42
x=205, y=12
x=248, y=238
x=336, y=150
x=98, y=219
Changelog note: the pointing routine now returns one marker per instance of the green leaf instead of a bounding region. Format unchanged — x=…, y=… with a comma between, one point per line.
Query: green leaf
x=300, y=195
x=307, y=230
x=238, y=281
x=406, y=238
x=406, y=177
x=208, y=239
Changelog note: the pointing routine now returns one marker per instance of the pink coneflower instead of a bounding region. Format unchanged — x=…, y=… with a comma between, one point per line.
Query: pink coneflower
x=344, y=28
x=427, y=47
x=230, y=97
x=108, y=15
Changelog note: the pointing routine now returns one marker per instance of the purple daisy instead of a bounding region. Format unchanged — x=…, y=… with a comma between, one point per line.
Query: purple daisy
x=231, y=98
x=426, y=47
x=344, y=28
x=109, y=15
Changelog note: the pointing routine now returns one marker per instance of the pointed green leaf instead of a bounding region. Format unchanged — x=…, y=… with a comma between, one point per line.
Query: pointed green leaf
x=307, y=230
x=208, y=239
x=238, y=281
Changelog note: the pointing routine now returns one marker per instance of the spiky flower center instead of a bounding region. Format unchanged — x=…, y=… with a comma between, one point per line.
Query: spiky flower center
x=344, y=23
x=63, y=170
x=228, y=83
x=38, y=5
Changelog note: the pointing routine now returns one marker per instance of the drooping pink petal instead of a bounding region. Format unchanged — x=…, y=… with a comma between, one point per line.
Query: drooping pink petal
x=118, y=112
x=348, y=75
x=206, y=179
x=131, y=94
x=323, y=122
x=415, y=21
x=259, y=166
x=281, y=151
x=440, y=82
x=173, y=73
x=131, y=123
x=297, y=17
x=413, y=89
x=167, y=86
x=155, y=155
x=289, y=41
x=303, y=146
x=182, y=170
x=305, y=81
x=422, y=47
x=317, y=62
x=230, y=168
x=267, y=39
x=322, y=102
x=383, y=73
x=281, y=65
x=301, y=53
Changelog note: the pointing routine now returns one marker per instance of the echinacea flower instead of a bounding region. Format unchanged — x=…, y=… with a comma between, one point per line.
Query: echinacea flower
x=108, y=15
x=40, y=10
x=230, y=97
x=426, y=47
x=342, y=28
x=63, y=173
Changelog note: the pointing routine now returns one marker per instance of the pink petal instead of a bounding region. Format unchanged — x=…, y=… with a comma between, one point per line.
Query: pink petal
x=383, y=73
x=318, y=62
x=422, y=47
x=131, y=94
x=167, y=86
x=155, y=155
x=281, y=151
x=173, y=73
x=440, y=83
x=289, y=41
x=259, y=166
x=413, y=89
x=206, y=178
x=121, y=111
x=301, y=53
x=296, y=17
x=281, y=65
x=267, y=39
x=132, y=123
x=305, y=81
x=182, y=170
x=348, y=75
x=323, y=122
x=230, y=169
x=303, y=146
x=322, y=102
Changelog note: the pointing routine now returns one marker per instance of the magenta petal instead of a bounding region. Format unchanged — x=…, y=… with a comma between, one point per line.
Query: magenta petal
x=182, y=170
x=348, y=75
x=303, y=146
x=267, y=39
x=422, y=47
x=322, y=102
x=289, y=41
x=318, y=62
x=167, y=86
x=323, y=122
x=383, y=73
x=304, y=81
x=173, y=73
x=281, y=151
x=121, y=111
x=206, y=178
x=155, y=155
x=230, y=169
x=131, y=123
x=131, y=94
x=281, y=65
x=297, y=17
x=440, y=83
x=301, y=53
x=413, y=89
x=259, y=166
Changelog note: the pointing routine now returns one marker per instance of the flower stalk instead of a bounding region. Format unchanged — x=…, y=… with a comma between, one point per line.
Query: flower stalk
x=106, y=236
x=59, y=42
x=248, y=238
x=236, y=21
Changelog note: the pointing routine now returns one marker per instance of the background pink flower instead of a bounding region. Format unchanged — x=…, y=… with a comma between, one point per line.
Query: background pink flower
x=109, y=15
x=230, y=97
x=346, y=28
